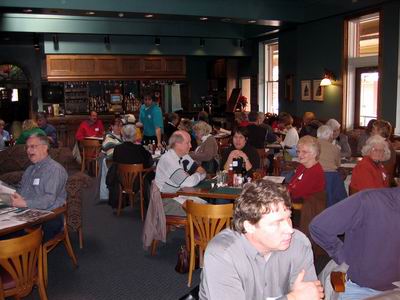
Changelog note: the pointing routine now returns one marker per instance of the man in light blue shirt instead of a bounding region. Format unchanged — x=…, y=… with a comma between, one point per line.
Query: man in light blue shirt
x=152, y=120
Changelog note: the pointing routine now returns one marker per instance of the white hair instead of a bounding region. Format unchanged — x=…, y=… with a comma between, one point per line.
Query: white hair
x=332, y=123
x=325, y=132
x=376, y=140
x=129, y=132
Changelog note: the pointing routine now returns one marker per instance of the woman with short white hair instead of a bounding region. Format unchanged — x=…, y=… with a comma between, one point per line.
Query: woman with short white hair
x=369, y=173
x=339, y=139
x=330, y=154
x=309, y=175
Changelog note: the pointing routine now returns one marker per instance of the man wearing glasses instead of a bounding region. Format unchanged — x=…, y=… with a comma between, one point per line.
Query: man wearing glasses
x=43, y=183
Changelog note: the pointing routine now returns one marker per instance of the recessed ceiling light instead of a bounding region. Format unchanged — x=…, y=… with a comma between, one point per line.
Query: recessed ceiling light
x=90, y=13
x=251, y=21
x=27, y=10
x=121, y=15
x=226, y=20
x=6, y=38
x=203, y=18
x=148, y=16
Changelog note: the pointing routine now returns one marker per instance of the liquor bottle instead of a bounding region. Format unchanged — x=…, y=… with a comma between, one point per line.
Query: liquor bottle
x=230, y=175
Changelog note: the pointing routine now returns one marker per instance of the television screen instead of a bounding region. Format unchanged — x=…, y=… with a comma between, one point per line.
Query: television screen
x=115, y=98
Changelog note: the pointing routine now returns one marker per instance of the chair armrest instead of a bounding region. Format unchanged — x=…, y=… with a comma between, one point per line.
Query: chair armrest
x=338, y=281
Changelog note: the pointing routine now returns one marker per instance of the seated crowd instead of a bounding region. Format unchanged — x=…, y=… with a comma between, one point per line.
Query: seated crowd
x=262, y=256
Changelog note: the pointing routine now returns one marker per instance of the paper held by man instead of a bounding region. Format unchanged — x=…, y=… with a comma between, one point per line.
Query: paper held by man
x=5, y=193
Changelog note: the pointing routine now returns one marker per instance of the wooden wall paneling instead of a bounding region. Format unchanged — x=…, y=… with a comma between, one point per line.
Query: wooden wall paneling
x=132, y=65
x=154, y=65
x=175, y=65
x=108, y=66
x=83, y=66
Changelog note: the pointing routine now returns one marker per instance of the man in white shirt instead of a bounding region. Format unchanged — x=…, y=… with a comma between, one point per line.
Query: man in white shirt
x=176, y=168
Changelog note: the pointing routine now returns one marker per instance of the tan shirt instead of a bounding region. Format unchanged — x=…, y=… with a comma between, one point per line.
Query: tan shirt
x=329, y=157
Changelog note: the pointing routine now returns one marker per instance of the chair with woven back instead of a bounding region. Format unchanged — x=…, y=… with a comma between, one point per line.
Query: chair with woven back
x=62, y=236
x=90, y=153
x=21, y=266
x=205, y=221
x=127, y=174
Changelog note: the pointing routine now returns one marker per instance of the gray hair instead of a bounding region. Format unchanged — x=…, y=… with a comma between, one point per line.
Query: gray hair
x=376, y=140
x=129, y=133
x=261, y=116
x=325, y=132
x=176, y=137
x=332, y=123
x=44, y=140
x=202, y=128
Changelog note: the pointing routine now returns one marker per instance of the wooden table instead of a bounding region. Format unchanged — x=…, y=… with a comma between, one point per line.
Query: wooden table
x=204, y=190
x=29, y=222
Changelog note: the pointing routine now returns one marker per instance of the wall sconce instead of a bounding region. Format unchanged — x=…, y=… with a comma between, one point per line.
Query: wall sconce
x=55, y=42
x=329, y=76
x=202, y=42
x=157, y=41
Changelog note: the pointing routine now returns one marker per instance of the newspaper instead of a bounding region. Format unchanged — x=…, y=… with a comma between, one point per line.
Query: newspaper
x=5, y=193
x=12, y=216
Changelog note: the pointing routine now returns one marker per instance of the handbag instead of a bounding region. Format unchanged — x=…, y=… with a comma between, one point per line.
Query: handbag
x=182, y=265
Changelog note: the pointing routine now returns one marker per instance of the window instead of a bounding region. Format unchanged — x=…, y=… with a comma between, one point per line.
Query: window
x=361, y=92
x=271, y=75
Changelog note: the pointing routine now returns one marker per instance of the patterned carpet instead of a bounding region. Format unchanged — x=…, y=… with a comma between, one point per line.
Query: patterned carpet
x=113, y=264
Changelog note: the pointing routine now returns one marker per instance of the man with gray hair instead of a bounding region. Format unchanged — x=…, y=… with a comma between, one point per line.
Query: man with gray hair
x=262, y=256
x=43, y=183
x=176, y=168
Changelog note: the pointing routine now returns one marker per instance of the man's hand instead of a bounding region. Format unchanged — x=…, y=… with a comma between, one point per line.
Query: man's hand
x=17, y=200
x=200, y=170
x=306, y=290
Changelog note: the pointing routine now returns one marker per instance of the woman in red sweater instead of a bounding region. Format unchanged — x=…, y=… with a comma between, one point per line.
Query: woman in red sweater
x=370, y=173
x=309, y=177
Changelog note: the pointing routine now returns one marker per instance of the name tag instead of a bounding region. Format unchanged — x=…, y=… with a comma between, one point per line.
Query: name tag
x=96, y=129
x=36, y=181
x=149, y=116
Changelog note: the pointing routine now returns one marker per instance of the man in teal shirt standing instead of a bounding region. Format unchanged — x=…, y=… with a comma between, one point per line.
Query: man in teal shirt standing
x=152, y=120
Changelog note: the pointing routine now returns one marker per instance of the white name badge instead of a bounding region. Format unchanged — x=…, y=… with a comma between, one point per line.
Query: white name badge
x=36, y=181
x=149, y=116
x=96, y=129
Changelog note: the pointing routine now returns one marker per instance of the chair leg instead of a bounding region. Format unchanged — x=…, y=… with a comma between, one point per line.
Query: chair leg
x=83, y=164
x=131, y=199
x=191, y=264
x=141, y=202
x=40, y=280
x=45, y=271
x=154, y=247
x=80, y=233
x=68, y=246
x=119, y=204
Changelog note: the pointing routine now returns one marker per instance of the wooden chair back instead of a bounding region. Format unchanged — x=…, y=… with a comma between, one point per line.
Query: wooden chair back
x=205, y=221
x=277, y=165
x=21, y=258
x=90, y=153
x=127, y=174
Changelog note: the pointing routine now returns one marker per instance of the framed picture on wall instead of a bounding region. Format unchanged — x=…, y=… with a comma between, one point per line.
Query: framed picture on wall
x=306, y=90
x=289, y=80
x=318, y=91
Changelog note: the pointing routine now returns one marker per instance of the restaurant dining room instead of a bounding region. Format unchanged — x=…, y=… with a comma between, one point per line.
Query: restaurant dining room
x=199, y=149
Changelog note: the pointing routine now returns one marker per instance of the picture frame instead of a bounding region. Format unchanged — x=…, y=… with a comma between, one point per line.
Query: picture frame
x=306, y=90
x=318, y=91
x=289, y=81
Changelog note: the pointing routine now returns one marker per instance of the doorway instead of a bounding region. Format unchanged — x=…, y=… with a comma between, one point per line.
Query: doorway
x=366, y=104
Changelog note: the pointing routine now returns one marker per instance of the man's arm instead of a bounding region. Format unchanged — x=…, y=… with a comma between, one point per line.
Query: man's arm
x=158, y=135
x=334, y=221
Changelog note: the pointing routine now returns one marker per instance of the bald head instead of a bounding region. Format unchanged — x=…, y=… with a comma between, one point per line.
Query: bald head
x=308, y=117
x=180, y=142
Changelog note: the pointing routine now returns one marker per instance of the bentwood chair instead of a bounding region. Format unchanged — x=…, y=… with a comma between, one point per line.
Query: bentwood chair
x=263, y=158
x=21, y=266
x=205, y=221
x=90, y=153
x=62, y=236
x=127, y=174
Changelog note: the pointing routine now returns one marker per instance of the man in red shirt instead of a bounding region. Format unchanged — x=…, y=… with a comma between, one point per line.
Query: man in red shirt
x=91, y=127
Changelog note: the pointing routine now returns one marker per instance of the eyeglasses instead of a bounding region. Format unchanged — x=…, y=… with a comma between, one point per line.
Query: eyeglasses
x=34, y=146
x=377, y=150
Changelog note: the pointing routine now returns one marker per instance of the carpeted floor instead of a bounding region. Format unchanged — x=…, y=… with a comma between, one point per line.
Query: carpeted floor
x=113, y=264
